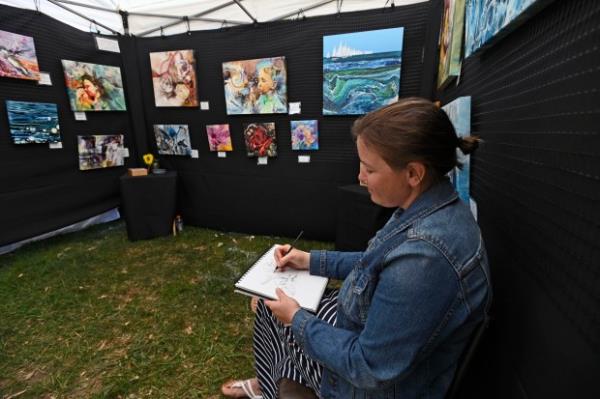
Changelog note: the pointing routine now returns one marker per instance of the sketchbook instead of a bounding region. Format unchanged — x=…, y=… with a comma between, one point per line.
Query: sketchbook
x=261, y=279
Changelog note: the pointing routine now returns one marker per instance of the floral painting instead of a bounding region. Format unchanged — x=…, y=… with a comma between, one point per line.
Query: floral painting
x=260, y=139
x=255, y=86
x=459, y=113
x=17, y=57
x=100, y=151
x=173, y=139
x=219, y=138
x=31, y=122
x=361, y=71
x=451, y=36
x=305, y=135
x=94, y=87
x=174, y=78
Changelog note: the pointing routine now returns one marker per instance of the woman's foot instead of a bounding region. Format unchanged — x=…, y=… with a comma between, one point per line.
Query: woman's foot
x=242, y=389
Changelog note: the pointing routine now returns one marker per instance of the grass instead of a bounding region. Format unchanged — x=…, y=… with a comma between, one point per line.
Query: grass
x=92, y=315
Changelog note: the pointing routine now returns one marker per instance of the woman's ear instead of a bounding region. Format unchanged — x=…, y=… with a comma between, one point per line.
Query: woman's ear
x=416, y=173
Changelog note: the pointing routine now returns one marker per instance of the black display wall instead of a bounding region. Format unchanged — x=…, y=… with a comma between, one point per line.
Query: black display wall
x=282, y=197
x=536, y=180
x=42, y=189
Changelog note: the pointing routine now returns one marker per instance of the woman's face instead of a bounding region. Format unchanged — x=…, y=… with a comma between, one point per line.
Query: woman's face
x=388, y=187
x=90, y=88
x=265, y=81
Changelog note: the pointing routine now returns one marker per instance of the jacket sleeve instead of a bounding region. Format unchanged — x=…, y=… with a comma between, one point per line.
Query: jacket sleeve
x=333, y=264
x=415, y=292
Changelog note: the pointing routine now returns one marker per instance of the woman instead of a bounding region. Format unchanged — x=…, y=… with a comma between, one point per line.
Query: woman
x=409, y=303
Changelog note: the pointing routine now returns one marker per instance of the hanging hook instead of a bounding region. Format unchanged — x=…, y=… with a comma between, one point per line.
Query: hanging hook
x=187, y=21
x=162, y=32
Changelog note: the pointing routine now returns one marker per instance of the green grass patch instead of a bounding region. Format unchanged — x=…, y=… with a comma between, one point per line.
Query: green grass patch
x=93, y=315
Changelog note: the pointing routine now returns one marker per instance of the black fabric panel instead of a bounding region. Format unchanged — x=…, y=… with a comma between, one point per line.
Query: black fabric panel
x=284, y=196
x=536, y=180
x=42, y=189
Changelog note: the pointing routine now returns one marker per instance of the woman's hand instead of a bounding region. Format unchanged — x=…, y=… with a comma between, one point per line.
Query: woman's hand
x=284, y=308
x=296, y=259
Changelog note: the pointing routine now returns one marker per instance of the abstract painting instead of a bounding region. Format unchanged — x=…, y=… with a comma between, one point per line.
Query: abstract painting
x=33, y=122
x=219, y=138
x=17, y=57
x=361, y=71
x=100, y=151
x=173, y=139
x=451, y=35
x=489, y=20
x=305, y=135
x=459, y=113
x=255, y=86
x=260, y=139
x=174, y=78
x=94, y=87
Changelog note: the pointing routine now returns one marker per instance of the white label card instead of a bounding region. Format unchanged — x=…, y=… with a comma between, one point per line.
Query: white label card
x=80, y=116
x=294, y=108
x=55, y=146
x=303, y=158
x=45, y=79
x=125, y=152
x=107, y=44
x=262, y=160
x=204, y=105
x=222, y=154
x=194, y=154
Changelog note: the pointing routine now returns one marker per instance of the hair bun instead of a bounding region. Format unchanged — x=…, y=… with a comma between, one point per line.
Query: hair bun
x=468, y=144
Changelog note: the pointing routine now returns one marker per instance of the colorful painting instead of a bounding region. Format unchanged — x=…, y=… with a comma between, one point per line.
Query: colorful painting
x=173, y=139
x=305, y=135
x=451, y=35
x=459, y=113
x=260, y=139
x=489, y=20
x=174, y=78
x=94, y=87
x=33, y=122
x=100, y=151
x=361, y=71
x=17, y=57
x=219, y=138
x=255, y=86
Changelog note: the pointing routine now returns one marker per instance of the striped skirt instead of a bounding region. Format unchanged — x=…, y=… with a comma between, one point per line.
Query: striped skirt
x=276, y=353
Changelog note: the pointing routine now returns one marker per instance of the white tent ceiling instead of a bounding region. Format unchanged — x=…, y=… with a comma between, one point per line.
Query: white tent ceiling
x=146, y=17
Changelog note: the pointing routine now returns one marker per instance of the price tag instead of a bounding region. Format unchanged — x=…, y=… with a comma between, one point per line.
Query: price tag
x=80, y=116
x=105, y=44
x=303, y=158
x=262, y=160
x=125, y=152
x=194, y=154
x=294, y=108
x=204, y=105
x=45, y=79
x=222, y=154
x=55, y=146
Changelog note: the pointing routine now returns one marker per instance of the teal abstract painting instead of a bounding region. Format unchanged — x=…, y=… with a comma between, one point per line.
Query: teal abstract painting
x=459, y=113
x=361, y=71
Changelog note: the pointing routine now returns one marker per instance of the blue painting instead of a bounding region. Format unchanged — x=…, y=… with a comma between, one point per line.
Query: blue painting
x=173, y=139
x=33, y=122
x=459, y=113
x=361, y=71
x=305, y=135
x=485, y=19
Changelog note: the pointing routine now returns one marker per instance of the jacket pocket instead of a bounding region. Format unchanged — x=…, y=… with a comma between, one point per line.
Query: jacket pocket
x=356, y=296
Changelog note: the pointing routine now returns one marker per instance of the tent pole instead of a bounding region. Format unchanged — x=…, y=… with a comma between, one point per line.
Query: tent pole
x=56, y=3
x=238, y=2
x=319, y=4
x=74, y=3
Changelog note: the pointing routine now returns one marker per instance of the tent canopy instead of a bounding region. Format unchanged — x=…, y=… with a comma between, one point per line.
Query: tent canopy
x=168, y=17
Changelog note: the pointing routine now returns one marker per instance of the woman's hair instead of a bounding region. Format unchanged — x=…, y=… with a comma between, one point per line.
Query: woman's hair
x=414, y=129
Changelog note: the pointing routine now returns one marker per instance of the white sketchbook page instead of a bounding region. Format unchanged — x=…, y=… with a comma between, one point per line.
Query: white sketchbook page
x=262, y=279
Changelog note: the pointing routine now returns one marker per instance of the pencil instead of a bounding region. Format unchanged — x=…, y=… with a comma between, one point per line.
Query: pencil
x=290, y=248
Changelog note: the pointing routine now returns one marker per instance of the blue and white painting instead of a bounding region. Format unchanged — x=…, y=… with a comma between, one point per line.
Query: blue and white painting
x=173, y=140
x=361, y=71
x=486, y=18
x=31, y=122
x=459, y=113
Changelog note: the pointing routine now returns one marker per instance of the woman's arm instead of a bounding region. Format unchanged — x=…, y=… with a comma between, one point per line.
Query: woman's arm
x=333, y=264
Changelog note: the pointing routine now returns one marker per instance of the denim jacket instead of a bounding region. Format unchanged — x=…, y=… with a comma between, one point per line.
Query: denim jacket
x=407, y=306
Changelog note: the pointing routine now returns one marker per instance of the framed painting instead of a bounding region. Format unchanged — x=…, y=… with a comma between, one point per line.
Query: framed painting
x=451, y=38
x=100, y=151
x=305, y=135
x=256, y=86
x=361, y=71
x=219, y=137
x=31, y=122
x=17, y=57
x=260, y=139
x=94, y=87
x=459, y=113
x=173, y=140
x=174, y=78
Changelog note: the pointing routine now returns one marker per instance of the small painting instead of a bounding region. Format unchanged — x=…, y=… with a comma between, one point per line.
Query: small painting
x=219, y=137
x=100, y=151
x=451, y=37
x=255, y=86
x=361, y=71
x=94, y=87
x=174, y=78
x=305, y=135
x=173, y=140
x=260, y=139
x=459, y=113
x=31, y=122
x=17, y=57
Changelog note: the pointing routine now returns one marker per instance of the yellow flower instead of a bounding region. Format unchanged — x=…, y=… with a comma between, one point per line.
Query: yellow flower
x=148, y=159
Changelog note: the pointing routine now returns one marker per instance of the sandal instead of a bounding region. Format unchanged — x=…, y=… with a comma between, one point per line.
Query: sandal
x=240, y=389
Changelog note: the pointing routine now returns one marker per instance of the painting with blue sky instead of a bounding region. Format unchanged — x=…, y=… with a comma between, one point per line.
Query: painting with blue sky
x=361, y=71
x=459, y=113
